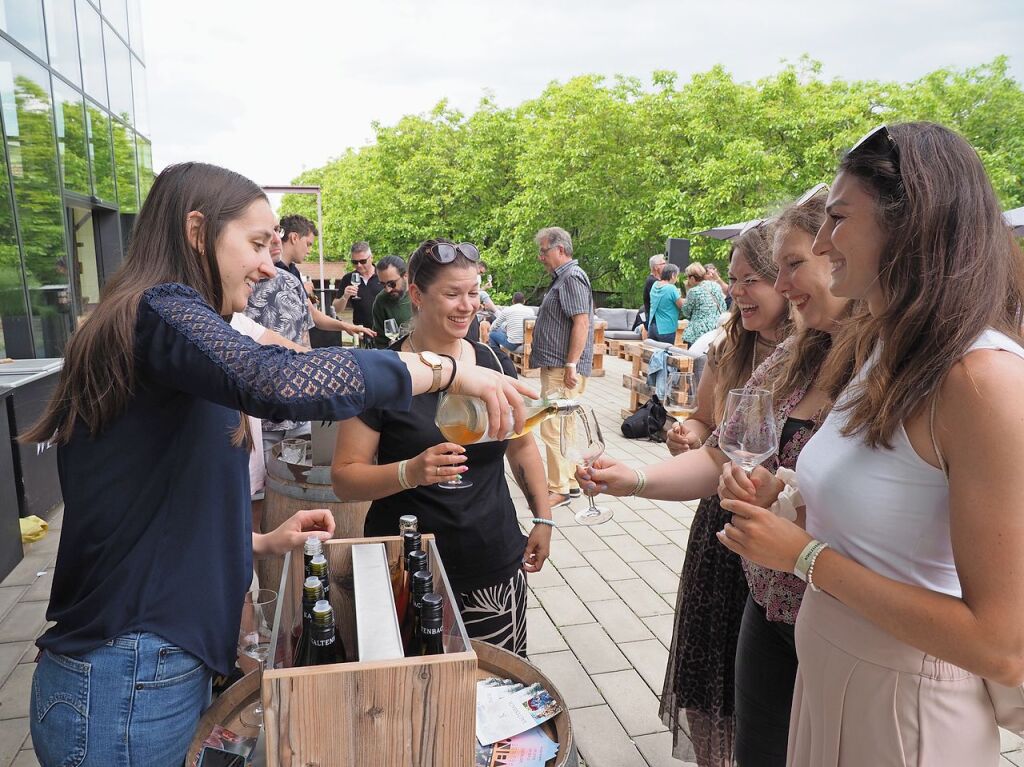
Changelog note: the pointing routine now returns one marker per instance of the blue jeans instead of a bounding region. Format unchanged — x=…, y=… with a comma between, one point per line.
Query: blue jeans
x=499, y=340
x=134, y=702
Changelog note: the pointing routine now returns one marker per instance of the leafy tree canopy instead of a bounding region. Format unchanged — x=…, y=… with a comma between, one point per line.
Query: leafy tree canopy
x=623, y=165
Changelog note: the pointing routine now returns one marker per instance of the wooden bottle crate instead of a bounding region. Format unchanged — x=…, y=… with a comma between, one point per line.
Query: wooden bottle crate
x=408, y=712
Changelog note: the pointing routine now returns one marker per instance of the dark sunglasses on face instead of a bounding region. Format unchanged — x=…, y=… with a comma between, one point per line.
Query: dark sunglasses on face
x=444, y=253
x=392, y=284
x=880, y=141
x=359, y=262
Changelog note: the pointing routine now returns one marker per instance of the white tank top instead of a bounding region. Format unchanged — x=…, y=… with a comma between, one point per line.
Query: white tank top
x=886, y=509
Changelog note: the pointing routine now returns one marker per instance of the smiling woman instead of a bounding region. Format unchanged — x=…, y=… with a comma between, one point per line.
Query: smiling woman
x=155, y=553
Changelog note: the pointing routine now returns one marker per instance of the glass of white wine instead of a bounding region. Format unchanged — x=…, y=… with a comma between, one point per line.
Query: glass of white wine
x=682, y=404
x=748, y=434
x=356, y=280
x=581, y=442
x=391, y=329
x=254, y=634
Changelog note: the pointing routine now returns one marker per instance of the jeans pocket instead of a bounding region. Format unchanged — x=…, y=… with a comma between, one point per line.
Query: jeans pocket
x=60, y=716
x=173, y=666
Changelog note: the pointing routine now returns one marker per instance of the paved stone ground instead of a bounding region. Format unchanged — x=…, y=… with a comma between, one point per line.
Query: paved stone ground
x=600, y=615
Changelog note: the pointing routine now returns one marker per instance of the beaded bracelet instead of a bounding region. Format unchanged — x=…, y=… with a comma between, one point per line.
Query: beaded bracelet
x=403, y=478
x=810, y=567
x=539, y=521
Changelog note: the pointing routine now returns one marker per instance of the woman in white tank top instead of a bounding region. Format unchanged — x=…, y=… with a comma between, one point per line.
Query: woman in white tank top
x=911, y=481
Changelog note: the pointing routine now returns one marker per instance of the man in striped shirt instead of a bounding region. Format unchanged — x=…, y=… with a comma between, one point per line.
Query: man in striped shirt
x=563, y=347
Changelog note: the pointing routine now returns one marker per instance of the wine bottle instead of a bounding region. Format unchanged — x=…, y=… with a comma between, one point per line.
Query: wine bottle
x=411, y=541
x=431, y=617
x=463, y=420
x=417, y=562
x=318, y=567
x=422, y=584
x=312, y=592
x=325, y=644
x=310, y=549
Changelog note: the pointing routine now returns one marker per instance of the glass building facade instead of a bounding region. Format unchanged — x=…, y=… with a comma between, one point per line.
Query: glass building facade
x=75, y=161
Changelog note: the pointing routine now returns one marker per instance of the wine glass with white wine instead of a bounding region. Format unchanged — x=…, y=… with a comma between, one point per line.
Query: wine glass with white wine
x=748, y=434
x=581, y=442
x=682, y=404
x=254, y=634
x=391, y=329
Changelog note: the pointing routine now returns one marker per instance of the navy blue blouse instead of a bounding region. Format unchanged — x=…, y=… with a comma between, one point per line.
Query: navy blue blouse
x=157, y=524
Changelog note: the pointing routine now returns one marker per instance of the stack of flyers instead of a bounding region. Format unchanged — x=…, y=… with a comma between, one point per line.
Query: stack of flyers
x=505, y=709
x=532, y=748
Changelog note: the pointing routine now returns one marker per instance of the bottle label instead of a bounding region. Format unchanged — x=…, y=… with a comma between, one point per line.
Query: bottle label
x=428, y=631
x=322, y=642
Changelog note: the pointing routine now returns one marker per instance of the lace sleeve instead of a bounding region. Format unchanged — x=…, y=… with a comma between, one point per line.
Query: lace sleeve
x=182, y=343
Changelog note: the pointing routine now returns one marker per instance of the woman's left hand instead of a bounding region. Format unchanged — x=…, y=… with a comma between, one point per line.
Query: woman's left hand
x=762, y=537
x=294, y=531
x=538, y=546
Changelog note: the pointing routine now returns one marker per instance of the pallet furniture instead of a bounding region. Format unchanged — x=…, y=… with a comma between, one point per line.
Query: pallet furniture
x=636, y=381
x=521, y=358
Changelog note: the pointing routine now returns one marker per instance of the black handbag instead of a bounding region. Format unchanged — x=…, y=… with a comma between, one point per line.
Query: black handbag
x=648, y=422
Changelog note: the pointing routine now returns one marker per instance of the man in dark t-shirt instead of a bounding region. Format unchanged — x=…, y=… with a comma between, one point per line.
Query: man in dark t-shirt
x=359, y=287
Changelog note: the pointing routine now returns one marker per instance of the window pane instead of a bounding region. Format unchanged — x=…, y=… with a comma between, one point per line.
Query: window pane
x=62, y=35
x=15, y=337
x=69, y=112
x=141, y=97
x=145, y=167
x=101, y=153
x=119, y=76
x=117, y=14
x=90, y=36
x=124, y=164
x=28, y=123
x=23, y=20
x=135, y=29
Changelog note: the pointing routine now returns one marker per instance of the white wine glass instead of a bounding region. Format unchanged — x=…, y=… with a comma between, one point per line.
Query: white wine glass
x=581, y=442
x=356, y=280
x=404, y=329
x=254, y=634
x=682, y=404
x=391, y=329
x=459, y=420
x=748, y=434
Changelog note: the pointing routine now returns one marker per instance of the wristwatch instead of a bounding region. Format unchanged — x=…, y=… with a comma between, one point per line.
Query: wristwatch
x=432, y=361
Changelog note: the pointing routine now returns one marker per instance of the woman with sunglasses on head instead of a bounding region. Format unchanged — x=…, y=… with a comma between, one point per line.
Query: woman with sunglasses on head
x=397, y=460
x=156, y=548
x=703, y=305
x=914, y=523
x=765, y=659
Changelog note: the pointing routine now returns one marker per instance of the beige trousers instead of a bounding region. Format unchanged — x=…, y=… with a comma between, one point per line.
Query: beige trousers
x=561, y=473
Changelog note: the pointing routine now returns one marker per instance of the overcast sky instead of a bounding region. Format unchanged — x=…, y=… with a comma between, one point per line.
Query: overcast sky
x=272, y=88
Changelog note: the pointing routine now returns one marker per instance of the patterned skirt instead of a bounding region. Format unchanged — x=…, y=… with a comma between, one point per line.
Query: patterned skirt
x=697, y=698
x=497, y=614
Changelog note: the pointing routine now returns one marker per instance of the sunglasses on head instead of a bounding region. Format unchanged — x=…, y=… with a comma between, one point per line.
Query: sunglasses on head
x=879, y=141
x=445, y=253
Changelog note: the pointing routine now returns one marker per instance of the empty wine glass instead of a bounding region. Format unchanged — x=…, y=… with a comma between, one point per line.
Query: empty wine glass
x=391, y=329
x=254, y=642
x=458, y=419
x=748, y=434
x=581, y=442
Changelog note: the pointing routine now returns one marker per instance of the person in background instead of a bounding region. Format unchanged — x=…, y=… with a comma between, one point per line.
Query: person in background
x=507, y=330
x=656, y=264
x=666, y=301
x=912, y=480
x=360, y=297
x=704, y=303
x=563, y=347
x=486, y=304
x=698, y=695
x=392, y=303
x=396, y=459
x=156, y=548
x=712, y=272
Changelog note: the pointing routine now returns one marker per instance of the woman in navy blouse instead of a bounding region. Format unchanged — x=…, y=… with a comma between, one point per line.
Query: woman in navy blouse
x=155, y=554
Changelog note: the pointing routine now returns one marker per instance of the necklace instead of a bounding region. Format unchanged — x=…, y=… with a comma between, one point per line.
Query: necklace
x=412, y=346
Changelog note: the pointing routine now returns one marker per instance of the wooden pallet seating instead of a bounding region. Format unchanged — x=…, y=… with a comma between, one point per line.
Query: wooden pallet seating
x=636, y=381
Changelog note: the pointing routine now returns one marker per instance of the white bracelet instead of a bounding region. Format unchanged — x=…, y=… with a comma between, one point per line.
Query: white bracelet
x=540, y=521
x=403, y=478
x=641, y=482
x=810, y=568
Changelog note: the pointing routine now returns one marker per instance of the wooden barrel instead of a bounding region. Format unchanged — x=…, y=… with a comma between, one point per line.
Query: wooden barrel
x=291, y=487
x=493, y=661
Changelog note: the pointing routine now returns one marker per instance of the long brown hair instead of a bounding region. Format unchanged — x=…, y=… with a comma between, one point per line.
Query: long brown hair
x=949, y=270
x=98, y=378
x=809, y=347
x=739, y=346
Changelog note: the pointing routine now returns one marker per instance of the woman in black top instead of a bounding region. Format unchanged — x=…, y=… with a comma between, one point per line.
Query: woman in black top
x=479, y=538
x=156, y=550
